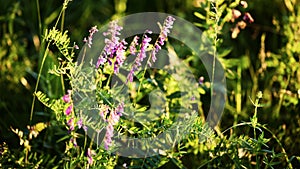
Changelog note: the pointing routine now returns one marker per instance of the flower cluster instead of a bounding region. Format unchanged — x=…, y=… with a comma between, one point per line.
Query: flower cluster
x=71, y=120
x=247, y=18
x=112, y=117
x=89, y=155
x=89, y=40
x=165, y=30
x=114, y=54
x=114, y=47
x=132, y=47
x=141, y=55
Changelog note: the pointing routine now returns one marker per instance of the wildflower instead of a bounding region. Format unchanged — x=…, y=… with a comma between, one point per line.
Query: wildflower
x=112, y=120
x=67, y=97
x=235, y=32
x=100, y=61
x=141, y=55
x=108, y=135
x=235, y=14
x=73, y=141
x=242, y=24
x=85, y=128
x=165, y=30
x=79, y=123
x=193, y=98
x=132, y=47
x=89, y=40
x=130, y=75
x=71, y=124
x=201, y=80
x=120, y=55
x=112, y=44
x=69, y=110
x=244, y=4
x=248, y=18
x=76, y=47
x=89, y=155
x=104, y=111
x=120, y=109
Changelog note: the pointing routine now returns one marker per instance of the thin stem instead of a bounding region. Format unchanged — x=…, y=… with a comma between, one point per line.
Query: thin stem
x=277, y=110
x=278, y=141
x=42, y=64
x=38, y=80
x=39, y=16
x=238, y=95
x=215, y=48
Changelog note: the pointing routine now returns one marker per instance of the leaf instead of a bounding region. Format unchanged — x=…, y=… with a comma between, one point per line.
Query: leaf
x=289, y=5
x=61, y=41
x=176, y=94
x=224, y=52
x=199, y=15
x=40, y=126
x=43, y=99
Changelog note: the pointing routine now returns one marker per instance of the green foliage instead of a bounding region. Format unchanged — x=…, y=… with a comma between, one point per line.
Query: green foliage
x=61, y=41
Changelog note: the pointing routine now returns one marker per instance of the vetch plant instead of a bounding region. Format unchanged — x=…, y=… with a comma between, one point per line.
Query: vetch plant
x=114, y=75
x=129, y=93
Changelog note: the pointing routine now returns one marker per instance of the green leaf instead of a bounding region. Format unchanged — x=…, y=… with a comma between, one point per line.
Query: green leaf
x=199, y=15
x=224, y=52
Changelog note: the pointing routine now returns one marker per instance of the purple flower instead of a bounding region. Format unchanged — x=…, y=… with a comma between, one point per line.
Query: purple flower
x=79, y=123
x=89, y=155
x=141, y=55
x=201, y=80
x=193, y=98
x=90, y=37
x=120, y=109
x=67, y=97
x=120, y=55
x=73, y=140
x=130, y=76
x=132, y=47
x=165, y=30
x=76, y=47
x=85, y=128
x=100, y=61
x=71, y=124
x=104, y=111
x=244, y=4
x=113, y=119
x=69, y=110
x=235, y=14
x=112, y=46
x=248, y=18
x=108, y=135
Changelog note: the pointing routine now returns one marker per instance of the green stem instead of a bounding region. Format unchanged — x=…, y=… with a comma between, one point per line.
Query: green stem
x=238, y=95
x=277, y=111
x=215, y=48
x=42, y=64
x=38, y=80
x=39, y=16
